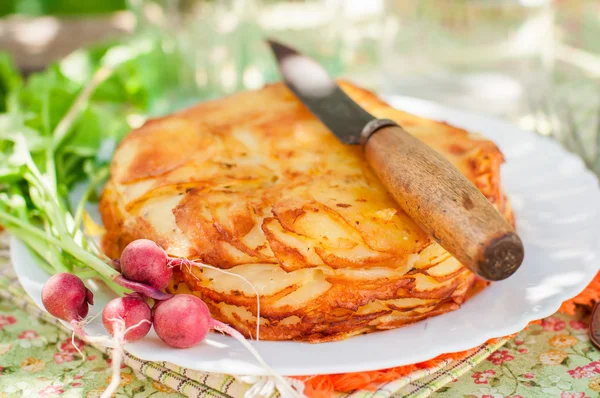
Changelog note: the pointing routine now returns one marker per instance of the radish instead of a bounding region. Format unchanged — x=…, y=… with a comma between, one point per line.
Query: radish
x=184, y=321
x=145, y=262
x=132, y=310
x=144, y=268
x=65, y=297
x=127, y=319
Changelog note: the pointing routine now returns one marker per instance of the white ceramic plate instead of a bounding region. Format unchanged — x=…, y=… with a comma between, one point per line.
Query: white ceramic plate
x=557, y=206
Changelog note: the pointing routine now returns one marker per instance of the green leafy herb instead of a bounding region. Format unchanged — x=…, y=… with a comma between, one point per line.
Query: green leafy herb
x=60, y=7
x=10, y=79
x=59, y=128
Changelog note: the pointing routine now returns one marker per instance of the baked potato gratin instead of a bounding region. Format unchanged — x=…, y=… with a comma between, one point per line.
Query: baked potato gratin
x=255, y=184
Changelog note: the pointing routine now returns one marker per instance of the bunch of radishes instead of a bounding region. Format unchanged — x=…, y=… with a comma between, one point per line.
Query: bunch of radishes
x=181, y=321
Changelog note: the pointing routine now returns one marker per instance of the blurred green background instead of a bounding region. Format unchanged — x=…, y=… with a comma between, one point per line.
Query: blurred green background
x=534, y=55
x=59, y=7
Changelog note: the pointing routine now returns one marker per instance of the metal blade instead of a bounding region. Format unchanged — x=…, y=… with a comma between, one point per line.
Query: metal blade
x=321, y=95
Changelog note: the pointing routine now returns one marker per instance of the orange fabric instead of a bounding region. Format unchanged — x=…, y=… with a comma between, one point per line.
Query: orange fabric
x=323, y=386
x=588, y=298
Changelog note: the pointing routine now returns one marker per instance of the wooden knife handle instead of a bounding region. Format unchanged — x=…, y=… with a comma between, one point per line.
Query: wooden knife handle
x=442, y=201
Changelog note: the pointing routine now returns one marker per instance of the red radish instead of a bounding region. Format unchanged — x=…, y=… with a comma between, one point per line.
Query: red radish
x=146, y=262
x=65, y=297
x=184, y=321
x=133, y=311
x=127, y=319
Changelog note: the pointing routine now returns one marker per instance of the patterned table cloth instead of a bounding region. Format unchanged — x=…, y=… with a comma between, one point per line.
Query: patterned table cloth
x=553, y=359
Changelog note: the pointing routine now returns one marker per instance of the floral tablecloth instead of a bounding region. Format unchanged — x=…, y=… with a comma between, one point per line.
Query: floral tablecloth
x=553, y=359
x=37, y=359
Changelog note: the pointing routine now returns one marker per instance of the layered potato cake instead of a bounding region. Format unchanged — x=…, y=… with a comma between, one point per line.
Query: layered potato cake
x=256, y=185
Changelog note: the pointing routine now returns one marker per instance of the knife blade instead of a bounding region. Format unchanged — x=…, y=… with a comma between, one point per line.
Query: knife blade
x=436, y=195
x=325, y=99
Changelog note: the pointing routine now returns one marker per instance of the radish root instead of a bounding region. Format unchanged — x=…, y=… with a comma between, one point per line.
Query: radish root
x=264, y=386
x=77, y=330
x=282, y=384
x=117, y=357
x=117, y=352
x=174, y=262
x=140, y=323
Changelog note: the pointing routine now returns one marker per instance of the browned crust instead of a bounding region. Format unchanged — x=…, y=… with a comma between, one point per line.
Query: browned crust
x=333, y=316
x=223, y=201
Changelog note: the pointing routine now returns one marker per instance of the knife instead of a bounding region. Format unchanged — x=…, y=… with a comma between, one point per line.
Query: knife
x=436, y=195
